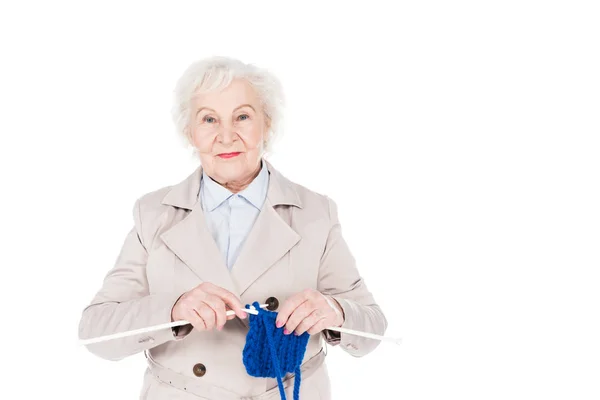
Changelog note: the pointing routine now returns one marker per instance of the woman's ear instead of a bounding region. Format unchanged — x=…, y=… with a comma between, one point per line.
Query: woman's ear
x=267, y=123
x=188, y=134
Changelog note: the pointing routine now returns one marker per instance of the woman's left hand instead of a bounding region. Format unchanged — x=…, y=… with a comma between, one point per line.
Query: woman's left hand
x=309, y=311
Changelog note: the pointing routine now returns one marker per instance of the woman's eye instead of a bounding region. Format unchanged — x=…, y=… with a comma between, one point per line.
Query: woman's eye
x=243, y=117
x=210, y=120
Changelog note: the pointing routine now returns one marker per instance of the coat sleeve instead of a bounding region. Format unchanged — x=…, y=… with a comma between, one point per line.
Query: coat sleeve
x=340, y=279
x=124, y=303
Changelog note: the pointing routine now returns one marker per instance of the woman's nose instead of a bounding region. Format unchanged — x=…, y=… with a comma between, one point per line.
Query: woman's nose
x=227, y=135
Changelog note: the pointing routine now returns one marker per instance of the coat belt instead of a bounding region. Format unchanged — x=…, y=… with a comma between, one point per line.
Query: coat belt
x=202, y=389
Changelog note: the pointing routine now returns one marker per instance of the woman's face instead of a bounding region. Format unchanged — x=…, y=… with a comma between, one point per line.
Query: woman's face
x=227, y=128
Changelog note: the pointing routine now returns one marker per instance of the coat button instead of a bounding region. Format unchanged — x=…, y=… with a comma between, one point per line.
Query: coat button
x=272, y=303
x=199, y=369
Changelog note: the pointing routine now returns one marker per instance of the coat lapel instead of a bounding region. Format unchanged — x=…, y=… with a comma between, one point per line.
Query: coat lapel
x=271, y=236
x=192, y=242
x=270, y=239
x=190, y=238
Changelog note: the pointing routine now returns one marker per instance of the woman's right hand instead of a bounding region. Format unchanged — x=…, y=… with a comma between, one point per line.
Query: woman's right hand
x=205, y=307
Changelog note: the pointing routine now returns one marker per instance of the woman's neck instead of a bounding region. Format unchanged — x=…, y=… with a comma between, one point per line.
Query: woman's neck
x=238, y=186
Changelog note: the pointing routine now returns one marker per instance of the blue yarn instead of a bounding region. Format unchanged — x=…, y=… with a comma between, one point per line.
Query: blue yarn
x=268, y=353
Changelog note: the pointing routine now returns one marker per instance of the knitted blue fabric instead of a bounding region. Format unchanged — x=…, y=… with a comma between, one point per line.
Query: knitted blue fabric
x=268, y=353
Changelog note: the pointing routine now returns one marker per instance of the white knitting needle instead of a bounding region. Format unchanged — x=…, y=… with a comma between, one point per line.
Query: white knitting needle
x=230, y=312
x=398, y=341
x=156, y=328
x=366, y=334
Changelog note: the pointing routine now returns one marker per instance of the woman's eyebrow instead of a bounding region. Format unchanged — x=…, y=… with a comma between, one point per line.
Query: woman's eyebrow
x=245, y=105
x=204, y=108
x=237, y=108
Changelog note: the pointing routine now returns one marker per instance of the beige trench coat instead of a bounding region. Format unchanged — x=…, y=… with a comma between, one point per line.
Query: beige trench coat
x=295, y=243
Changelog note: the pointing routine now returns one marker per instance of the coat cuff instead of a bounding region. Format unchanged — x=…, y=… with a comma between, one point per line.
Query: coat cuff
x=164, y=335
x=334, y=338
x=179, y=332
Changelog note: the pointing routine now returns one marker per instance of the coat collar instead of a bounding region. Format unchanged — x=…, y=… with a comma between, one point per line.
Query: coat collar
x=185, y=194
x=269, y=240
x=213, y=195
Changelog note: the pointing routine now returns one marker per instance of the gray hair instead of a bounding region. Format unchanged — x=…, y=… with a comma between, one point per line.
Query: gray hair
x=215, y=73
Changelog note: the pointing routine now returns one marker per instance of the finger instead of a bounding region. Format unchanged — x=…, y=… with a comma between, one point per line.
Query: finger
x=193, y=318
x=207, y=314
x=299, y=314
x=228, y=298
x=219, y=308
x=288, y=307
x=229, y=317
x=307, y=323
x=321, y=325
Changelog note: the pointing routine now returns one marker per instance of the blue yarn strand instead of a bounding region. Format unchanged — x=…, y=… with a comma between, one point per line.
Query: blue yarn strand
x=297, y=380
x=275, y=360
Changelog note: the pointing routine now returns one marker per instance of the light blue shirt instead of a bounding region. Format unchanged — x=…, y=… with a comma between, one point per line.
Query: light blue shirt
x=230, y=216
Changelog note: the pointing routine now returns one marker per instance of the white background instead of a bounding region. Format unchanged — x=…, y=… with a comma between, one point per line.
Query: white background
x=460, y=140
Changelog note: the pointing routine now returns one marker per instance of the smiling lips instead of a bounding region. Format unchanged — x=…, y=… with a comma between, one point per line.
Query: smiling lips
x=229, y=155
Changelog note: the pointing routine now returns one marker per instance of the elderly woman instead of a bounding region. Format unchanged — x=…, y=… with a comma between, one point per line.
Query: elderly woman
x=233, y=232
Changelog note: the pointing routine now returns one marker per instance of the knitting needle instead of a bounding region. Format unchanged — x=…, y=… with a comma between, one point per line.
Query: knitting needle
x=398, y=341
x=156, y=328
x=252, y=310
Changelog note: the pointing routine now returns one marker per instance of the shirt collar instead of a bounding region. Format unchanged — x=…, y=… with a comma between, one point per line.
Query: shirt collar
x=214, y=194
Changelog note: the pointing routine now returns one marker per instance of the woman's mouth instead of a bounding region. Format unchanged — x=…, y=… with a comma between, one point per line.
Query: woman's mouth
x=229, y=155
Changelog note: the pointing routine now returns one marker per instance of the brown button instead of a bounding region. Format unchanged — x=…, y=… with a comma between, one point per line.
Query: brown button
x=272, y=303
x=199, y=369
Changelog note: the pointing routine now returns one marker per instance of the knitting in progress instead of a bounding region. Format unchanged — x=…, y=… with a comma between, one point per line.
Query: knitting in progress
x=268, y=353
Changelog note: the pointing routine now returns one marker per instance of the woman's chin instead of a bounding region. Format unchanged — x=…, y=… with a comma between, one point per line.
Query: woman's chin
x=231, y=171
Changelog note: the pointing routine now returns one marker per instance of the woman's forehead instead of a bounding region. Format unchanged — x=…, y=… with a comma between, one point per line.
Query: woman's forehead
x=236, y=94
